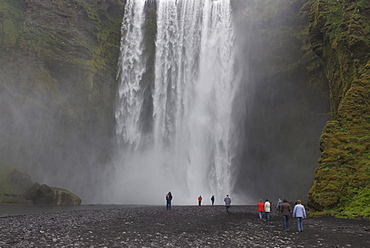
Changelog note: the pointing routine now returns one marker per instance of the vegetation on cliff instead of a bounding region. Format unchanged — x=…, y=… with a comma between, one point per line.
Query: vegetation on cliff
x=15, y=187
x=339, y=32
x=58, y=64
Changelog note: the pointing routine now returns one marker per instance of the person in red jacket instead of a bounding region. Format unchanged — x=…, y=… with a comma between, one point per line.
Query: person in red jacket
x=200, y=200
x=261, y=208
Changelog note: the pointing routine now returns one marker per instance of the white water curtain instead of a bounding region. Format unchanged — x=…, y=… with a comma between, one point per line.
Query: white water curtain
x=189, y=151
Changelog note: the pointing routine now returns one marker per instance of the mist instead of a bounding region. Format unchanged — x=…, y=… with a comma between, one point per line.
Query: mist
x=265, y=144
x=48, y=132
x=205, y=106
x=285, y=112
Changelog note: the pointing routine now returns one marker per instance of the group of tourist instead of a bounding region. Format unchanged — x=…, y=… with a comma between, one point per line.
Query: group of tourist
x=200, y=200
x=264, y=209
x=283, y=209
x=299, y=212
x=227, y=201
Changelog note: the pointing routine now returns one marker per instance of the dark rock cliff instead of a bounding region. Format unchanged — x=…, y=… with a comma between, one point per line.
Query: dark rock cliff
x=285, y=97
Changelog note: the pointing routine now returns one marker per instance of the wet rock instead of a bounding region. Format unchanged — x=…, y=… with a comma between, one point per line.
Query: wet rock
x=53, y=196
x=15, y=186
x=18, y=188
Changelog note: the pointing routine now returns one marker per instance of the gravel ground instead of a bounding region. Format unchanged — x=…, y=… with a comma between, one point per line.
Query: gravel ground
x=183, y=226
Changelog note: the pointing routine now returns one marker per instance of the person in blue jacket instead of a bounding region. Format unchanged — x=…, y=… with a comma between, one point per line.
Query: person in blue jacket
x=299, y=212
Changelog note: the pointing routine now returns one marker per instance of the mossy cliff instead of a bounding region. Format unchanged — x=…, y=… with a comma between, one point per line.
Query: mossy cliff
x=340, y=36
x=58, y=64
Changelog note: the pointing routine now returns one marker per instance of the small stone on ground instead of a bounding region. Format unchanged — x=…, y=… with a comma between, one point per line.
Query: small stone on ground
x=182, y=226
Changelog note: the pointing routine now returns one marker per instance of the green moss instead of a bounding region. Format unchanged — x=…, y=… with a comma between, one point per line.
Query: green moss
x=48, y=41
x=344, y=163
x=355, y=205
x=14, y=186
x=11, y=17
x=91, y=9
x=5, y=188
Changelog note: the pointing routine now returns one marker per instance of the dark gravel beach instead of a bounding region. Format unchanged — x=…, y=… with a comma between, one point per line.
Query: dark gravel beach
x=183, y=226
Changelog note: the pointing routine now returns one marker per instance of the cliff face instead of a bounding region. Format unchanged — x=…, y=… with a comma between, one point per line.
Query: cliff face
x=58, y=67
x=340, y=36
x=57, y=90
x=285, y=100
x=58, y=63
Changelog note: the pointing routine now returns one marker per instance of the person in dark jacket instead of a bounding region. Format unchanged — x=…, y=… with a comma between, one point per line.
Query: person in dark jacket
x=278, y=206
x=168, y=200
x=227, y=201
x=285, y=211
x=213, y=199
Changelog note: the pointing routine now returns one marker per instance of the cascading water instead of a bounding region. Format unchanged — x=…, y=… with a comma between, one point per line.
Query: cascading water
x=130, y=70
x=188, y=149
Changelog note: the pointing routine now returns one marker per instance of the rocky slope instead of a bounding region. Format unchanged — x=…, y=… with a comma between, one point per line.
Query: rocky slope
x=340, y=36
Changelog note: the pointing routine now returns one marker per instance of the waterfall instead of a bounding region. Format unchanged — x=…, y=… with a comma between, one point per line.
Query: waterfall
x=131, y=67
x=188, y=150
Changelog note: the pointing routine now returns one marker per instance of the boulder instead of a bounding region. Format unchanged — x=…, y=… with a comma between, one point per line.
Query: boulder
x=18, y=188
x=15, y=186
x=53, y=196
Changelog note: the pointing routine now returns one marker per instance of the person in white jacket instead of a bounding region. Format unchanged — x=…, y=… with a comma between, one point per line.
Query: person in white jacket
x=299, y=212
x=267, y=209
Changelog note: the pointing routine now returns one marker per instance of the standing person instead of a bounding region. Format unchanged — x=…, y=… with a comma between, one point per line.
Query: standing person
x=168, y=200
x=200, y=200
x=278, y=206
x=285, y=211
x=267, y=209
x=227, y=201
x=213, y=199
x=299, y=212
x=260, y=209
